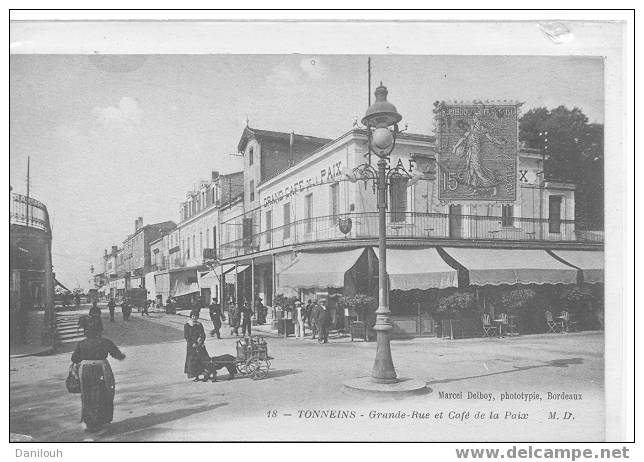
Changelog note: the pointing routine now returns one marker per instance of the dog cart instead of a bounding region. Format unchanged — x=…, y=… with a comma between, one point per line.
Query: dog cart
x=252, y=357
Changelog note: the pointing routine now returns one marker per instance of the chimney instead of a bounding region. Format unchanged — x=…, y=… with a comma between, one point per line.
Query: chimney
x=138, y=224
x=106, y=252
x=115, y=249
x=215, y=175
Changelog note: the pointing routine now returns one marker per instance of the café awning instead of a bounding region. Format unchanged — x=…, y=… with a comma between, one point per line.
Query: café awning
x=229, y=274
x=419, y=269
x=512, y=266
x=184, y=288
x=319, y=269
x=591, y=263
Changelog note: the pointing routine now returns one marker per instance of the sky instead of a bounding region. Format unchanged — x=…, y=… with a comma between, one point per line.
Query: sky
x=114, y=137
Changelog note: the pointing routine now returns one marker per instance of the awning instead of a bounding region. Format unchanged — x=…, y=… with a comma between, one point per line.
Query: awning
x=591, y=263
x=183, y=288
x=419, y=269
x=230, y=273
x=312, y=270
x=512, y=266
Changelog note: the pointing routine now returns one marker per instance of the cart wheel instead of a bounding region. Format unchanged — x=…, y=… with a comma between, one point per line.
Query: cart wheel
x=261, y=371
x=241, y=368
x=251, y=366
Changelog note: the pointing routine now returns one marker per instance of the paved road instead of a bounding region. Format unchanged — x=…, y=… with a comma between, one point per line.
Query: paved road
x=155, y=401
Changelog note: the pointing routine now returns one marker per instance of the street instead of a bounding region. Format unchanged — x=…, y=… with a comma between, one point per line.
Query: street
x=155, y=401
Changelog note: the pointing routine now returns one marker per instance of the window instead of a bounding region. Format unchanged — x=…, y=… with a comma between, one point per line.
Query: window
x=207, y=238
x=308, y=212
x=252, y=190
x=214, y=188
x=188, y=250
x=250, y=156
x=507, y=215
x=200, y=242
x=269, y=226
x=287, y=220
x=214, y=237
x=194, y=245
x=398, y=198
x=554, y=214
x=334, y=201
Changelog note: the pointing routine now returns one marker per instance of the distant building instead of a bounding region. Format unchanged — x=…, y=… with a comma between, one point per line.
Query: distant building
x=181, y=256
x=128, y=265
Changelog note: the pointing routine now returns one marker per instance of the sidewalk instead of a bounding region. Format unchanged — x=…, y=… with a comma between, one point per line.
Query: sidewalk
x=33, y=345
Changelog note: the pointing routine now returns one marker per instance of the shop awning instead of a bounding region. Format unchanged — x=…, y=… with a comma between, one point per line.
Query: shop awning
x=512, y=266
x=183, y=288
x=591, y=263
x=322, y=269
x=230, y=273
x=419, y=269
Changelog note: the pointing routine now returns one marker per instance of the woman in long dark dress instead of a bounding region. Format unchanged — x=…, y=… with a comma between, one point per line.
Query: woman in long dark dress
x=96, y=377
x=196, y=354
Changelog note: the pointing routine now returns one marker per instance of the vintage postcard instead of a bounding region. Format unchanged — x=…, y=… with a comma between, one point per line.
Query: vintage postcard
x=264, y=231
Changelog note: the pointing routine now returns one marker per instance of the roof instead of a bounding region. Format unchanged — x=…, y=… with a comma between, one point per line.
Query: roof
x=250, y=133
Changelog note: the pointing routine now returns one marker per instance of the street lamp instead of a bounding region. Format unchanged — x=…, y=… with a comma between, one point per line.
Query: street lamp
x=381, y=121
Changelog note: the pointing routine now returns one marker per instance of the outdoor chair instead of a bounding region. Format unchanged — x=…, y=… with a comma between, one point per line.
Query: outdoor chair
x=488, y=328
x=555, y=327
x=568, y=324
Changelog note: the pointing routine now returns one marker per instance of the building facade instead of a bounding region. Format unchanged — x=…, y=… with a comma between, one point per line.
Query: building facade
x=31, y=278
x=310, y=214
x=182, y=256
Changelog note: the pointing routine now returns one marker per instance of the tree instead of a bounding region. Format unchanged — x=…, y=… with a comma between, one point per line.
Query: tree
x=575, y=152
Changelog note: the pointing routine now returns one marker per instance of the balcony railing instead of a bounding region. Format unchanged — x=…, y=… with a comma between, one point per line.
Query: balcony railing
x=410, y=225
x=27, y=211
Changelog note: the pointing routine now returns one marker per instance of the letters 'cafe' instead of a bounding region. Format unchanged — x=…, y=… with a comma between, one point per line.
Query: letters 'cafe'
x=311, y=231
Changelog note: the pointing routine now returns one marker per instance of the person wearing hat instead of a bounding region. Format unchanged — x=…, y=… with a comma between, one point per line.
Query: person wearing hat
x=323, y=322
x=95, y=374
x=260, y=311
x=216, y=316
x=196, y=354
x=298, y=320
x=247, y=314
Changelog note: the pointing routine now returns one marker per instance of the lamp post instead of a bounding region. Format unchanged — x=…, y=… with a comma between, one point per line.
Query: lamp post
x=381, y=121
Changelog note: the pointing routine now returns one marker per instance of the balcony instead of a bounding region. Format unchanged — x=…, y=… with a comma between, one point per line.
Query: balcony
x=26, y=211
x=408, y=225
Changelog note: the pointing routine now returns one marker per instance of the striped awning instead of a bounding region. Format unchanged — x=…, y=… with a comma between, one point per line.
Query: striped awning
x=512, y=266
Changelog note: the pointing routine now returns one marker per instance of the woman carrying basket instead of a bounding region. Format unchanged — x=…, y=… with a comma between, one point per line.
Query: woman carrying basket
x=96, y=377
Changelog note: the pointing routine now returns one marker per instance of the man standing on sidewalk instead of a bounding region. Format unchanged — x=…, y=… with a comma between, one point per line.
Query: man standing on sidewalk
x=216, y=316
x=111, y=305
x=323, y=321
x=246, y=313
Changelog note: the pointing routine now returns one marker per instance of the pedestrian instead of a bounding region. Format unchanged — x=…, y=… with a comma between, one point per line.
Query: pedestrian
x=110, y=306
x=77, y=298
x=323, y=322
x=145, y=308
x=234, y=319
x=95, y=310
x=196, y=354
x=216, y=316
x=315, y=311
x=247, y=314
x=126, y=309
x=308, y=313
x=260, y=311
x=96, y=377
x=298, y=320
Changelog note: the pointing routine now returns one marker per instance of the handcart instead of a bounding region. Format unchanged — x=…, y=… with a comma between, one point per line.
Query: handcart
x=252, y=357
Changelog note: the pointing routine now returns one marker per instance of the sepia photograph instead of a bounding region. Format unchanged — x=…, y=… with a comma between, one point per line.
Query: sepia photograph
x=230, y=243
